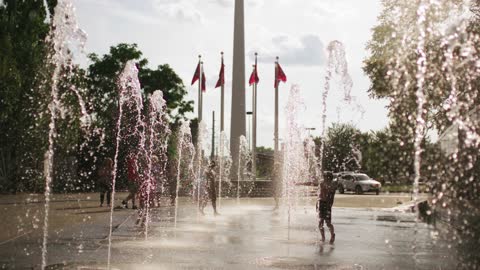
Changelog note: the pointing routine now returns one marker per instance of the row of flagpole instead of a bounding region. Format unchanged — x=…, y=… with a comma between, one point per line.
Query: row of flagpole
x=199, y=76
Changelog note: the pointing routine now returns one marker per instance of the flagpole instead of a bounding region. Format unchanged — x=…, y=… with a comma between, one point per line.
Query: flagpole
x=222, y=128
x=200, y=92
x=254, y=140
x=222, y=103
x=212, y=155
x=276, y=161
x=199, y=150
x=276, y=107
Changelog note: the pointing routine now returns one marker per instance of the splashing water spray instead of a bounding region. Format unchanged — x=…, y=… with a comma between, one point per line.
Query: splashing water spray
x=244, y=165
x=158, y=134
x=186, y=155
x=337, y=65
x=224, y=166
x=64, y=31
x=130, y=101
x=294, y=160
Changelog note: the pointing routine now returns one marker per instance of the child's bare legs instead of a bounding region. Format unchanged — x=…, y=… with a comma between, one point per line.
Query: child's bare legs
x=214, y=205
x=203, y=203
x=330, y=228
x=332, y=231
x=322, y=230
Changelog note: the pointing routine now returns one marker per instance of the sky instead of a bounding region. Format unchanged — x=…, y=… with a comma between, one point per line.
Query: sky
x=298, y=31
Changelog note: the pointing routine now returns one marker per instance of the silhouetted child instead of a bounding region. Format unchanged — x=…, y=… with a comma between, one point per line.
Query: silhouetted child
x=326, y=197
x=133, y=181
x=105, y=180
x=211, y=189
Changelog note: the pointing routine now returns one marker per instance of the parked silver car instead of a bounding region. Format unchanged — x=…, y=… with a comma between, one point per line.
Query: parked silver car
x=357, y=182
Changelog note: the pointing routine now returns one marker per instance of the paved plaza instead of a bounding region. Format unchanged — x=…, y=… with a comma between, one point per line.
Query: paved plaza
x=371, y=234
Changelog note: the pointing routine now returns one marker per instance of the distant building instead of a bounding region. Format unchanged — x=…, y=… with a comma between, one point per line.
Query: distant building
x=449, y=140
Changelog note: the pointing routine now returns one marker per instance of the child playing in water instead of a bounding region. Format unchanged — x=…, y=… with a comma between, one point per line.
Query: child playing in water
x=210, y=188
x=104, y=180
x=326, y=197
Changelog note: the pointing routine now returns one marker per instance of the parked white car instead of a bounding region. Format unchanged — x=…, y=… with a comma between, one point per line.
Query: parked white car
x=357, y=182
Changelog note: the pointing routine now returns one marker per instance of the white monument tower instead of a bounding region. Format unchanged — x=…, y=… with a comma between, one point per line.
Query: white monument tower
x=237, y=123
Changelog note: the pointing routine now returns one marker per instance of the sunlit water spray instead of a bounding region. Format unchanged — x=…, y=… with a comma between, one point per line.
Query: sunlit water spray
x=442, y=75
x=200, y=190
x=225, y=164
x=244, y=174
x=158, y=135
x=64, y=32
x=295, y=165
x=130, y=125
x=185, y=160
x=337, y=66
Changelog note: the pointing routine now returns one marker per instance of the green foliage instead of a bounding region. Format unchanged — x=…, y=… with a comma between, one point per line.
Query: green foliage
x=103, y=92
x=165, y=79
x=340, y=150
x=102, y=88
x=25, y=81
x=23, y=55
x=383, y=155
x=264, y=162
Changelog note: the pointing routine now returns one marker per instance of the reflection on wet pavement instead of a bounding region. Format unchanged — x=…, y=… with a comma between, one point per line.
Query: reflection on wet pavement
x=245, y=236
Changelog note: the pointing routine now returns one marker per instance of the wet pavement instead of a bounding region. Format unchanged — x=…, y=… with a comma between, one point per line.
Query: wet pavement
x=247, y=235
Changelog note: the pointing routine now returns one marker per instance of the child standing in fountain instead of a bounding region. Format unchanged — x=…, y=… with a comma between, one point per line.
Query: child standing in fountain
x=326, y=197
x=104, y=180
x=211, y=188
x=133, y=179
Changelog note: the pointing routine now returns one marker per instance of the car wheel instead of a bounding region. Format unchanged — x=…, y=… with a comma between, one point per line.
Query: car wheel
x=377, y=192
x=341, y=190
x=358, y=190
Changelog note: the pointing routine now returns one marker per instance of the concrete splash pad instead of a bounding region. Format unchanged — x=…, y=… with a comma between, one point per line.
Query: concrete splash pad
x=247, y=235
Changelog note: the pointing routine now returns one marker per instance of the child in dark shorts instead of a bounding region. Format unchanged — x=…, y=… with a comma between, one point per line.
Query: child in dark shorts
x=104, y=180
x=326, y=197
x=211, y=192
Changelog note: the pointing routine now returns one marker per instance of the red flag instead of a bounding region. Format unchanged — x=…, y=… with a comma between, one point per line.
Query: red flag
x=221, y=77
x=204, y=87
x=196, y=76
x=280, y=75
x=254, y=77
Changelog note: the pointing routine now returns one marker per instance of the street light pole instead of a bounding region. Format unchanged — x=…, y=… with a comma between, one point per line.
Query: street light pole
x=310, y=129
x=249, y=135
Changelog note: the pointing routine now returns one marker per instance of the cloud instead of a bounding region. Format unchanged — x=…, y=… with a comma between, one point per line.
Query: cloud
x=249, y=3
x=182, y=10
x=332, y=9
x=306, y=51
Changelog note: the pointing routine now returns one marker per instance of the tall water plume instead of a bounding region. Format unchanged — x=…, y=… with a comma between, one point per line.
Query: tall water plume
x=64, y=32
x=295, y=166
x=244, y=175
x=225, y=164
x=434, y=62
x=130, y=129
x=158, y=135
x=337, y=66
x=185, y=161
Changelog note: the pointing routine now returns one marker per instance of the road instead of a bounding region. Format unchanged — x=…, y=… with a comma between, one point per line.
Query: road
x=247, y=235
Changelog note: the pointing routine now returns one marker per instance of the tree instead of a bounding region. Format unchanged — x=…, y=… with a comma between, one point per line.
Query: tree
x=385, y=157
x=103, y=92
x=392, y=65
x=264, y=162
x=23, y=79
x=450, y=50
x=103, y=74
x=341, y=151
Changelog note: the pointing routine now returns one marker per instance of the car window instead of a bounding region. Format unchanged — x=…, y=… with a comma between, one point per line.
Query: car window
x=362, y=177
